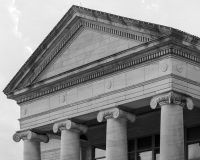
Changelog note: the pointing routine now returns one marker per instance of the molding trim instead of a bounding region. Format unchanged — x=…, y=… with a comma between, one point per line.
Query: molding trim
x=29, y=135
x=96, y=97
x=54, y=53
x=103, y=72
x=53, y=33
x=82, y=13
x=172, y=98
x=97, y=74
x=110, y=93
x=115, y=113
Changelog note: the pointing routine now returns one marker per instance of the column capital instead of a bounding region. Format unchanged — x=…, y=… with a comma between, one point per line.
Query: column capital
x=115, y=113
x=29, y=135
x=68, y=124
x=171, y=98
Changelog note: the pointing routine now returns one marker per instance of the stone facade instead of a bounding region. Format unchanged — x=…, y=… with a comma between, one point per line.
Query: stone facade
x=89, y=90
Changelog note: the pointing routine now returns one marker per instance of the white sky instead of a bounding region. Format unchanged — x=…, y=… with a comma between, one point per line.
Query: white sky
x=25, y=23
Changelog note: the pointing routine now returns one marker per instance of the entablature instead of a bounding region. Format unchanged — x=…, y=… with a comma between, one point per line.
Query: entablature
x=113, y=64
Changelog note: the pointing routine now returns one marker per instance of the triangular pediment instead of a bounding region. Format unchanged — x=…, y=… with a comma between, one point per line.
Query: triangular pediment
x=90, y=45
x=81, y=37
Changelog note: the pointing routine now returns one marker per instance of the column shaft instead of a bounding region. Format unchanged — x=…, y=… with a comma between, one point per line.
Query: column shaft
x=116, y=139
x=86, y=152
x=172, y=132
x=70, y=145
x=32, y=150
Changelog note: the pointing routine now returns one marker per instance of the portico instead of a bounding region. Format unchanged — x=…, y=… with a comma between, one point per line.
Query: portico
x=112, y=88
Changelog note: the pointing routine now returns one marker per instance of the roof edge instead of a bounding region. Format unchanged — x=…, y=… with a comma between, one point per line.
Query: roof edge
x=54, y=32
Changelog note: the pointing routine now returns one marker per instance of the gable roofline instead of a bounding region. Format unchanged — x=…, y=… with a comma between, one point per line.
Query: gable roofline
x=66, y=18
x=54, y=32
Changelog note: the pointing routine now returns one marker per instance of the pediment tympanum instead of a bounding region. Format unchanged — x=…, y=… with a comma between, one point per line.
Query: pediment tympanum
x=88, y=46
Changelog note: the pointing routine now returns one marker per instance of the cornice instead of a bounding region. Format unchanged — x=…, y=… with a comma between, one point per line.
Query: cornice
x=105, y=71
x=54, y=32
x=55, y=52
x=97, y=97
x=97, y=74
x=111, y=93
x=69, y=37
x=76, y=11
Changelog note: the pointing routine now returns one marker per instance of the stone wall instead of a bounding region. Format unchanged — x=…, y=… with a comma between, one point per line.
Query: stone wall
x=89, y=46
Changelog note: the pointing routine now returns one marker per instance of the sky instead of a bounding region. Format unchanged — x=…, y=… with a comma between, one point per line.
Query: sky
x=25, y=23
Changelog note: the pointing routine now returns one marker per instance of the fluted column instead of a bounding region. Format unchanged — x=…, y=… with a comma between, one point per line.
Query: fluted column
x=31, y=144
x=172, y=125
x=70, y=139
x=116, y=133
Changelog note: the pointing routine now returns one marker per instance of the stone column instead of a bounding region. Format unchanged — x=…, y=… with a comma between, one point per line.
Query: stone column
x=172, y=125
x=88, y=152
x=116, y=133
x=31, y=144
x=70, y=139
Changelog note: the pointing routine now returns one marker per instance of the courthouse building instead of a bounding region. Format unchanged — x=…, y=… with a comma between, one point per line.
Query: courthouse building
x=102, y=86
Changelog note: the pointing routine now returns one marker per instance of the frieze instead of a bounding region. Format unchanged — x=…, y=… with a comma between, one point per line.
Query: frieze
x=172, y=98
x=110, y=93
x=96, y=97
x=125, y=21
x=110, y=70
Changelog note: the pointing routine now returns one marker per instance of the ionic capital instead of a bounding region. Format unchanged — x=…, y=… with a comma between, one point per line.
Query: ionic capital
x=68, y=124
x=38, y=137
x=29, y=135
x=115, y=113
x=171, y=98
